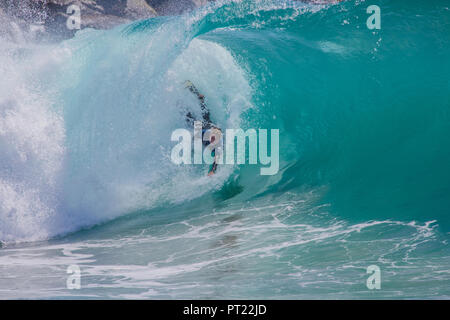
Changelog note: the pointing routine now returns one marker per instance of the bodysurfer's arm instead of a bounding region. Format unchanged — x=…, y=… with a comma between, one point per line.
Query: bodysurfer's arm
x=213, y=169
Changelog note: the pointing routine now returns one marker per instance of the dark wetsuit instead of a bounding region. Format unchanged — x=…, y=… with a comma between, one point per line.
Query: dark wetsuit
x=206, y=122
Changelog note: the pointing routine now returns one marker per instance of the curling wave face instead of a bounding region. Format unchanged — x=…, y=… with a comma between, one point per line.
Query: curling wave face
x=364, y=119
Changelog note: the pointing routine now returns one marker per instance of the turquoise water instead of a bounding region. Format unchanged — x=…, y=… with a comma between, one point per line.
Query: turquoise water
x=364, y=120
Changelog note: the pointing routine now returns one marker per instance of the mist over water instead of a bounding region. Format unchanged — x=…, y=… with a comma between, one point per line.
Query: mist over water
x=364, y=120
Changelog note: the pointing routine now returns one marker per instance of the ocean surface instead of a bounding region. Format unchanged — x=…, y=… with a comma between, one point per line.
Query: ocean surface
x=364, y=119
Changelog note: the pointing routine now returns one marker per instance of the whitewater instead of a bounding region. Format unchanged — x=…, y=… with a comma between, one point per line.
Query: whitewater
x=364, y=178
